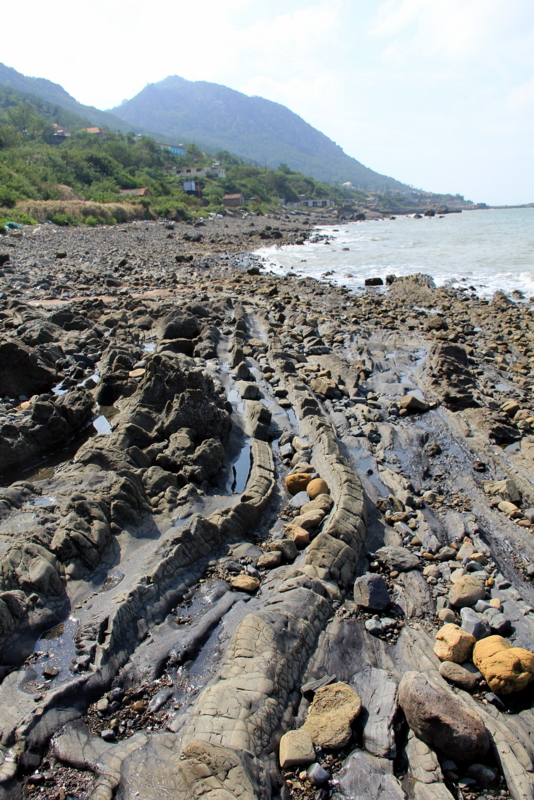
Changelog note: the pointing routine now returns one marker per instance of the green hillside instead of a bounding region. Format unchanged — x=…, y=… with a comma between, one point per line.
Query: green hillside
x=81, y=178
x=257, y=129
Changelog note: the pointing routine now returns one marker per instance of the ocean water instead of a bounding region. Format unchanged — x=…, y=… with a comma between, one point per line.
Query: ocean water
x=489, y=250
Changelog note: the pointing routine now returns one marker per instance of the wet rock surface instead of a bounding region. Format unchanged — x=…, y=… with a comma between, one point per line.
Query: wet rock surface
x=234, y=503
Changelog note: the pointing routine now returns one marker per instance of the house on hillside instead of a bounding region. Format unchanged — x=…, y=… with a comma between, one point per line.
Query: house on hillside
x=96, y=131
x=319, y=202
x=175, y=149
x=60, y=134
x=137, y=192
x=233, y=200
x=200, y=172
x=191, y=187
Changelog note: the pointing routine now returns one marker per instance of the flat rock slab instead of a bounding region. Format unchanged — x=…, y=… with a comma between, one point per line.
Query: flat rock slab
x=363, y=776
x=379, y=700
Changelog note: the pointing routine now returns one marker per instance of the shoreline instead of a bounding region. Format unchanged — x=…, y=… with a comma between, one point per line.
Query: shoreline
x=195, y=598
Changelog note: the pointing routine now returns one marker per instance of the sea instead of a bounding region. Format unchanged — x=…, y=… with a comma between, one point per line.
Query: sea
x=488, y=250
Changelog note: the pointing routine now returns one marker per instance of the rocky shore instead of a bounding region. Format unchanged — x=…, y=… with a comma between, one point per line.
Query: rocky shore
x=260, y=538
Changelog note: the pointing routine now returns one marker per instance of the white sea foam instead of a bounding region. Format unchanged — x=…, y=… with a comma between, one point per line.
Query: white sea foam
x=489, y=250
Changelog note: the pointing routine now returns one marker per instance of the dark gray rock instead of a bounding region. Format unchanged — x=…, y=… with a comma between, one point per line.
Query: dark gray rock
x=371, y=591
x=397, y=558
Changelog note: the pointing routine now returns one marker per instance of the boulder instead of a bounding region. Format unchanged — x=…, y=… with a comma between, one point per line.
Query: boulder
x=453, y=643
x=297, y=482
x=466, y=591
x=371, y=591
x=23, y=371
x=397, y=558
x=296, y=747
x=458, y=675
x=179, y=326
x=506, y=669
x=442, y=720
x=317, y=487
x=331, y=714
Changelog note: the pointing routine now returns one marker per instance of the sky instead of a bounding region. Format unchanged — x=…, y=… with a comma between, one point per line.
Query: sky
x=437, y=95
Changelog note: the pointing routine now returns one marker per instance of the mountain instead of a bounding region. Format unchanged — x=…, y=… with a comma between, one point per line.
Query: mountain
x=55, y=94
x=252, y=127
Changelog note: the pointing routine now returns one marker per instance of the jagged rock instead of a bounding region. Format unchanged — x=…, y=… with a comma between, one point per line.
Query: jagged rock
x=23, y=371
x=296, y=747
x=371, y=591
x=413, y=404
x=453, y=644
x=506, y=669
x=441, y=719
x=331, y=714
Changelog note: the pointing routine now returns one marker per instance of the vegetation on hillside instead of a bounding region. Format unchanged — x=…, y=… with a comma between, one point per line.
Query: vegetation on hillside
x=40, y=177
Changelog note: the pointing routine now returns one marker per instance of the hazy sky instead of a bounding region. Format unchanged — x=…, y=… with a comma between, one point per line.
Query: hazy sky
x=439, y=95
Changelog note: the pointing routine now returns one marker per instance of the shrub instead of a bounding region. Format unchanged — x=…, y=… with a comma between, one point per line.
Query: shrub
x=8, y=198
x=92, y=221
x=60, y=219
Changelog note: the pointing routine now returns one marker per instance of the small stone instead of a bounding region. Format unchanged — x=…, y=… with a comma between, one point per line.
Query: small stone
x=318, y=776
x=296, y=747
x=50, y=672
x=299, y=535
x=245, y=583
x=139, y=706
x=108, y=735
x=446, y=615
x=374, y=627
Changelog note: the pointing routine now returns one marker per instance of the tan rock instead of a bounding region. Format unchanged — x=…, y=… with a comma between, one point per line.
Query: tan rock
x=453, y=643
x=331, y=714
x=510, y=509
x=296, y=747
x=317, y=487
x=496, y=603
x=506, y=669
x=245, y=583
x=466, y=591
x=270, y=560
x=323, y=502
x=137, y=373
x=297, y=482
x=310, y=521
x=412, y=404
x=299, y=535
